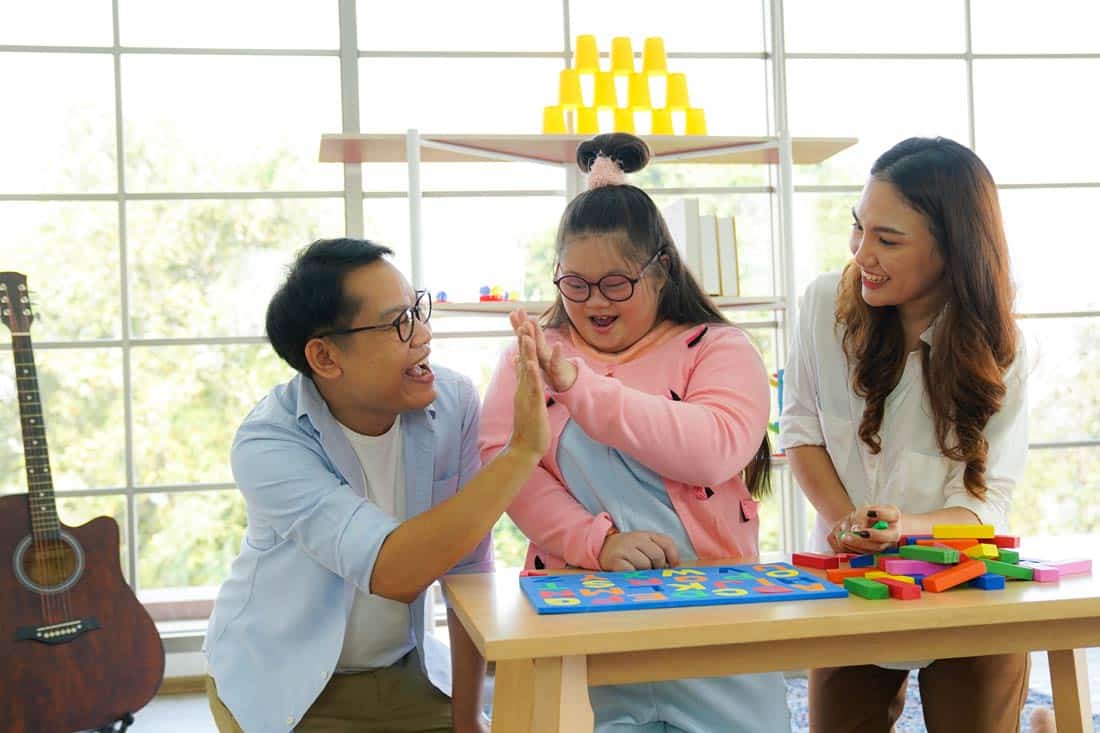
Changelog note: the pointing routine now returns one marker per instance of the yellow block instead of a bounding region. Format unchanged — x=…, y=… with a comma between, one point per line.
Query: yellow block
x=983, y=551
x=963, y=531
x=880, y=574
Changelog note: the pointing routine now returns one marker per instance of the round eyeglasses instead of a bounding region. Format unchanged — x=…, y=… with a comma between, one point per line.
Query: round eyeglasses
x=614, y=287
x=420, y=310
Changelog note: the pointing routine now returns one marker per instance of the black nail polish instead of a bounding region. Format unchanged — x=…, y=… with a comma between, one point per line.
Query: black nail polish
x=865, y=535
x=872, y=513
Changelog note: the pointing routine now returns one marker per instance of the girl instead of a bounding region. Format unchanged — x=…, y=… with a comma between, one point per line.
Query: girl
x=905, y=401
x=658, y=411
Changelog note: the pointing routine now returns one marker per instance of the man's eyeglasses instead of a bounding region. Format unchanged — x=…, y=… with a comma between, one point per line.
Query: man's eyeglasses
x=421, y=310
x=614, y=287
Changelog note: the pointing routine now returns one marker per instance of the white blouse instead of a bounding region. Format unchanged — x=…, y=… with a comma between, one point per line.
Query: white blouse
x=820, y=407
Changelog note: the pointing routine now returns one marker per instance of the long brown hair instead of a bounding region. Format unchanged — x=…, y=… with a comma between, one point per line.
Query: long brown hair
x=628, y=210
x=974, y=341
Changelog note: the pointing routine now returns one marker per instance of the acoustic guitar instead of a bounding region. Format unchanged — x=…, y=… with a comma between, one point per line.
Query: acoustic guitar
x=77, y=649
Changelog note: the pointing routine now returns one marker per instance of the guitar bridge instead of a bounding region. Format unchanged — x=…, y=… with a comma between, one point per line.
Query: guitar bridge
x=61, y=633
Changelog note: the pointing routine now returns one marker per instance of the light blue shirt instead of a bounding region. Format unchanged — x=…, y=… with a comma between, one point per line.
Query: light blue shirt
x=312, y=539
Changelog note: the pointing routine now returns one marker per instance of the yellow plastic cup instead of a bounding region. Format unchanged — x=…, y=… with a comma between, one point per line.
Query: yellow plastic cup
x=622, y=56
x=678, y=92
x=586, y=56
x=624, y=120
x=553, y=121
x=569, y=89
x=638, y=98
x=696, y=122
x=588, y=122
x=654, y=61
x=662, y=122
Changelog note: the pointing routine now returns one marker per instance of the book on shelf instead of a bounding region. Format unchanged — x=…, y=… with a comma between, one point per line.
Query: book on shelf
x=709, y=271
x=728, y=265
x=682, y=218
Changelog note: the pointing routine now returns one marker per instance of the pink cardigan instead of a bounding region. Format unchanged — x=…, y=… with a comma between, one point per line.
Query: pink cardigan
x=693, y=409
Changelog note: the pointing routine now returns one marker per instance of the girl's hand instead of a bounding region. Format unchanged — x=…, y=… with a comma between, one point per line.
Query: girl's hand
x=559, y=372
x=626, y=551
x=855, y=533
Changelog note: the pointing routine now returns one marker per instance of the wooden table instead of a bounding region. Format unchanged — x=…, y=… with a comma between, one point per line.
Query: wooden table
x=545, y=664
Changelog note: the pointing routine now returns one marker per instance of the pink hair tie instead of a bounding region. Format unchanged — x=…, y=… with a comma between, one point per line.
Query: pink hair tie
x=605, y=172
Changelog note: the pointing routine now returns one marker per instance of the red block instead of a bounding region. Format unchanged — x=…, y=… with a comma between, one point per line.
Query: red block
x=1004, y=540
x=954, y=575
x=959, y=545
x=901, y=590
x=815, y=560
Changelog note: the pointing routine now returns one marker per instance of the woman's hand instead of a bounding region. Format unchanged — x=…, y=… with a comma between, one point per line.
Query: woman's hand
x=559, y=372
x=855, y=533
x=626, y=551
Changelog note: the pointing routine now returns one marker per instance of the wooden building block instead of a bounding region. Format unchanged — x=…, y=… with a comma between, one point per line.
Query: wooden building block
x=912, y=539
x=815, y=560
x=1004, y=540
x=1008, y=569
x=989, y=581
x=954, y=575
x=1007, y=555
x=983, y=551
x=868, y=589
x=862, y=561
x=941, y=555
x=1079, y=566
x=838, y=575
x=900, y=590
x=959, y=545
x=901, y=566
x=963, y=531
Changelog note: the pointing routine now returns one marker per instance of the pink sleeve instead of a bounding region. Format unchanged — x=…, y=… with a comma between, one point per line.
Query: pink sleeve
x=544, y=510
x=706, y=438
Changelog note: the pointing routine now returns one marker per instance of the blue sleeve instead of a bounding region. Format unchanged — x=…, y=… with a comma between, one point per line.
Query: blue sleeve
x=289, y=486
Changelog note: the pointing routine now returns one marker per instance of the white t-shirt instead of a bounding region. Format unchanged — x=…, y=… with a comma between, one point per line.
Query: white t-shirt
x=378, y=630
x=820, y=407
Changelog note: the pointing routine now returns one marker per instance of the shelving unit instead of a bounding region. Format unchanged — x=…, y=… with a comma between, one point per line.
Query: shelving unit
x=780, y=150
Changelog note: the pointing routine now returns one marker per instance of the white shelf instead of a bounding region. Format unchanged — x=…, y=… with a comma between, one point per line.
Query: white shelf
x=535, y=307
x=562, y=149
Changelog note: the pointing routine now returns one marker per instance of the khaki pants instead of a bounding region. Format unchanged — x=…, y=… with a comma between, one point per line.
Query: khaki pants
x=975, y=694
x=398, y=698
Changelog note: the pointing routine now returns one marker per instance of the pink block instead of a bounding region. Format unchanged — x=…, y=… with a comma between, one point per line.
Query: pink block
x=1041, y=572
x=904, y=566
x=1071, y=567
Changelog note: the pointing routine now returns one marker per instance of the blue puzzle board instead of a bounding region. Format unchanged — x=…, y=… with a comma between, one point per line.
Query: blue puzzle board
x=674, y=588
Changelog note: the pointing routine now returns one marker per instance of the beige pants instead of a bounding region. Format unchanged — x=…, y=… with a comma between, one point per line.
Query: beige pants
x=398, y=698
x=975, y=694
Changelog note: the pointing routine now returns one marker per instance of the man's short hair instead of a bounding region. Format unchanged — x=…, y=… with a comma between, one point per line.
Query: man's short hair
x=313, y=299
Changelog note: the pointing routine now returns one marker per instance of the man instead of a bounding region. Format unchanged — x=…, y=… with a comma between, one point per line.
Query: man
x=362, y=486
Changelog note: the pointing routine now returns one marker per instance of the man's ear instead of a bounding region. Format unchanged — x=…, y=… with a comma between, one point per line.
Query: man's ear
x=323, y=358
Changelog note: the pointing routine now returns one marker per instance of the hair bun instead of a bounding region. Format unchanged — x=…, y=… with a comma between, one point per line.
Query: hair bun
x=629, y=151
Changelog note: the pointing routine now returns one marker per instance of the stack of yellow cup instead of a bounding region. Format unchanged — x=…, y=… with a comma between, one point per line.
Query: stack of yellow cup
x=622, y=92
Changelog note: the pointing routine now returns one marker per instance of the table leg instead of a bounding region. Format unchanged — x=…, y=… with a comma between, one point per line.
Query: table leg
x=1069, y=680
x=513, y=695
x=561, y=696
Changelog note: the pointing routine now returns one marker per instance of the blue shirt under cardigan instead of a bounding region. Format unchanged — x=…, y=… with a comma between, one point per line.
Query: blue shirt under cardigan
x=312, y=539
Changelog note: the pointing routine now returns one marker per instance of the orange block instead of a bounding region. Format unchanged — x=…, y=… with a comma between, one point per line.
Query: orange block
x=837, y=575
x=959, y=545
x=954, y=575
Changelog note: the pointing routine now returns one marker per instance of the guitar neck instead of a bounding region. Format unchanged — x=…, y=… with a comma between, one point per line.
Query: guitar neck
x=43, y=505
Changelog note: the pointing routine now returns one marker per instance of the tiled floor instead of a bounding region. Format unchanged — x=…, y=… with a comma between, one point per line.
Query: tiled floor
x=190, y=714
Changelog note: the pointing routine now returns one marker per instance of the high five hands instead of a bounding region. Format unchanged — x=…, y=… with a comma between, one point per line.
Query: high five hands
x=558, y=372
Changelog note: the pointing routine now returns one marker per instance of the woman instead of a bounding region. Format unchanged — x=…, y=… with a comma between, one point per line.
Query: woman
x=906, y=403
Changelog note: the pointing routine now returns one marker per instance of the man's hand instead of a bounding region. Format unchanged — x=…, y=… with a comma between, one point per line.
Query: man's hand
x=530, y=425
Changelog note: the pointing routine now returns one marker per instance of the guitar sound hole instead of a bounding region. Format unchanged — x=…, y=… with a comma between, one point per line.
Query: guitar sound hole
x=49, y=563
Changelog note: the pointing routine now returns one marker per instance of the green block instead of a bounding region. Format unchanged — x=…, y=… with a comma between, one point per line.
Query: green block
x=1009, y=556
x=941, y=555
x=1008, y=570
x=881, y=524
x=868, y=589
